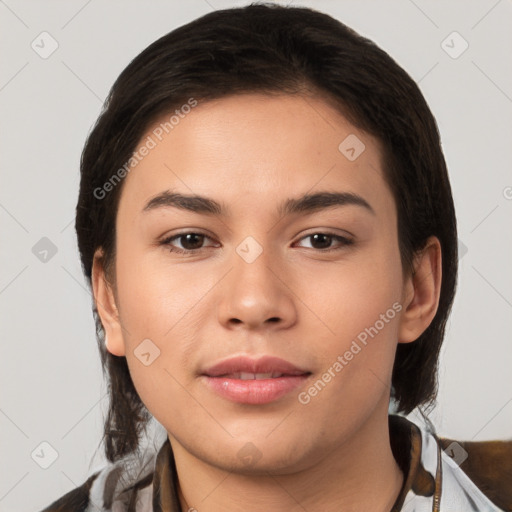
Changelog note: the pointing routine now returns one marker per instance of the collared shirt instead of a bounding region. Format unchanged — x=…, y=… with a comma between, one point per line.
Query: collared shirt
x=440, y=475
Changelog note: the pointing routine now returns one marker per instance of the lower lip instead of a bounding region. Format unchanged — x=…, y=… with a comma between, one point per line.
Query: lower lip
x=254, y=391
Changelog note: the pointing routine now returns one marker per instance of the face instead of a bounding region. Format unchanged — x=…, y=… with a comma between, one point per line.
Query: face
x=320, y=287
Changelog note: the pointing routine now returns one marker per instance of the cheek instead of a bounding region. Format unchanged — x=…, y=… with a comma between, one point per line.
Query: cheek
x=157, y=334
x=155, y=294
x=359, y=305
x=351, y=295
x=159, y=306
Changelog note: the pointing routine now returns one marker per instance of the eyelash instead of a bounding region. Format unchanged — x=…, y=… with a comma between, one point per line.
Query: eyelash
x=167, y=242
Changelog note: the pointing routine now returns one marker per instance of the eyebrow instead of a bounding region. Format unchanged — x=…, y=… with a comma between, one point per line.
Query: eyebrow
x=306, y=203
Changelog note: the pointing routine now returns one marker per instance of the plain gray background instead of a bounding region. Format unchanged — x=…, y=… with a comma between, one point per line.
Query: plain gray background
x=52, y=387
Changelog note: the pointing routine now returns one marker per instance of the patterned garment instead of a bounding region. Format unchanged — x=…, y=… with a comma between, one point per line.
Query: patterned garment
x=441, y=475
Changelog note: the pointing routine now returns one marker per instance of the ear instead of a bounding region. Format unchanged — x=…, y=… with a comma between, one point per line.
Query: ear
x=106, y=305
x=421, y=292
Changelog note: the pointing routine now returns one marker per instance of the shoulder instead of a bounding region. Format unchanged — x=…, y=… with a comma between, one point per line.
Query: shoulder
x=76, y=500
x=450, y=475
x=119, y=486
x=488, y=464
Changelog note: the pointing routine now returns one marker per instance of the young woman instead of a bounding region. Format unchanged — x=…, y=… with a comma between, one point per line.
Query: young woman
x=266, y=221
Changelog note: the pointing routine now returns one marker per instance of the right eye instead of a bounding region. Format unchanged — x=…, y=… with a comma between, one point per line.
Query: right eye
x=189, y=241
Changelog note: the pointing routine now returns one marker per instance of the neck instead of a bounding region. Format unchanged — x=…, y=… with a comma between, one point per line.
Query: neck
x=361, y=474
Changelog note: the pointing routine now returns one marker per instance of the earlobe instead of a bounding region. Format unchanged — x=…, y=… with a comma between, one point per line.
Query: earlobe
x=106, y=306
x=421, y=292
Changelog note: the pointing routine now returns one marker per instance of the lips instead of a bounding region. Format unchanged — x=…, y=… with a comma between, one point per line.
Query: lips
x=254, y=382
x=253, y=376
x=245, y=368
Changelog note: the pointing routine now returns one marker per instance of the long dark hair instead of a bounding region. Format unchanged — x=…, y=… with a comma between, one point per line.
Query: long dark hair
x=273, y=49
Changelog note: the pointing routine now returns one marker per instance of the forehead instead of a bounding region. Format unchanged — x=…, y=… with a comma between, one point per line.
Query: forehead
x=253, y=149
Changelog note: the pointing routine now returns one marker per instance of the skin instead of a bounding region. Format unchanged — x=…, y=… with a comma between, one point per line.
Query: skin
x=251, y=152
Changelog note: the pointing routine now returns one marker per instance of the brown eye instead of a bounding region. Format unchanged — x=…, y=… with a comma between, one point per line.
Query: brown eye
x=322, y=241
x=190, y=242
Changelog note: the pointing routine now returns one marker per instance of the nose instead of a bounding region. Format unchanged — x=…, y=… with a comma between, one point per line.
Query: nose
x=257, y=293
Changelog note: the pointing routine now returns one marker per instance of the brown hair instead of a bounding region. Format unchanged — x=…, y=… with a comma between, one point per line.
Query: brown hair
x=273, y=49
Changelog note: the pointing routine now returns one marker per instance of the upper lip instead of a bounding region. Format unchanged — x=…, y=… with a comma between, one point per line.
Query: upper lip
x=265, y=364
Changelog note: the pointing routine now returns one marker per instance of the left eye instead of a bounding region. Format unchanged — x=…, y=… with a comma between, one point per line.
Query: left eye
x=325, y=238
x=193, y=241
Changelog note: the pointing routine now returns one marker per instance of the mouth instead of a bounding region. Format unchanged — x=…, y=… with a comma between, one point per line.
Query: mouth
x=256, y=376
x=265, y=367
x=248, y=381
